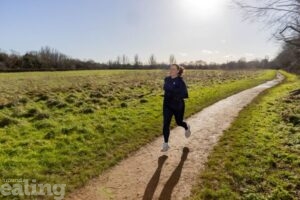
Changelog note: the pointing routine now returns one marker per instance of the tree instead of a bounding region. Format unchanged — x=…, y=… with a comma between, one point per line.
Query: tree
x=51, y=58
x=125, y=60
x=152, y=60
x=136, y=60
x=31, y=61
x=172, y=59
x=281, y=15
x=118, y=60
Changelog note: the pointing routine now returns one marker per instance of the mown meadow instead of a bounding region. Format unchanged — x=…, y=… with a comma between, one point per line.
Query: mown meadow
x=258, y=157
x=67, y=127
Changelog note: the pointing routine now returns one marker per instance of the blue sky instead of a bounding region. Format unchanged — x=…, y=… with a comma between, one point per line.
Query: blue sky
x=209, y=30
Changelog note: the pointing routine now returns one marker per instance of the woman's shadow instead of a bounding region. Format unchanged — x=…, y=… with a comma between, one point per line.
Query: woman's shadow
x=166, y=192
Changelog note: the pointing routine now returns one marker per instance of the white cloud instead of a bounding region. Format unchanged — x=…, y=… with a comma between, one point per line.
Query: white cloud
x=183, y=54
x=223, y=41
x=209, y=51
x=249, y=54
x=230, y=56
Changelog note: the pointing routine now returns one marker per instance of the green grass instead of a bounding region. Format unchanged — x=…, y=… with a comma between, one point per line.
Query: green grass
x=258, y=157
x=67, y=127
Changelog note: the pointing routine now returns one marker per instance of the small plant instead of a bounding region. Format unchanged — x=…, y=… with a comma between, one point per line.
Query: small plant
x=40, y=116
x=23, y=100
x=5, y=121
x=100, y=128
x=143, y=101
x=87, y=110
x=124, y=105
x=42, y=97
x=31, y=112
x=52, y=103
x=79, y=103
x=49, y=135
x=96, y=94
x=70, y=98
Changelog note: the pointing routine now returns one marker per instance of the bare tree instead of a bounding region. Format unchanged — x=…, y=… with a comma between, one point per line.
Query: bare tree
x=283, y=16
x=118, y=60
x=152, y=60
x=137, y=60
x=172, y=59
x=125, y=60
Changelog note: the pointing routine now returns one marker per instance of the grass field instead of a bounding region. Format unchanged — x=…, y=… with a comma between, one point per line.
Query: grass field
x=259, y=156
x=66, y=127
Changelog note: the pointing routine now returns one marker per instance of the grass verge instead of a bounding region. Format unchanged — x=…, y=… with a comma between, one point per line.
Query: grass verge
x=258, y=157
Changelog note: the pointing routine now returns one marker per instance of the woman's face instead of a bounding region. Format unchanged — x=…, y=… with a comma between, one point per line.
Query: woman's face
x=173, y=71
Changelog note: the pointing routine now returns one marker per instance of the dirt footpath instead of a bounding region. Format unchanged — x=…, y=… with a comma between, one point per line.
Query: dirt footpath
x=150, y=174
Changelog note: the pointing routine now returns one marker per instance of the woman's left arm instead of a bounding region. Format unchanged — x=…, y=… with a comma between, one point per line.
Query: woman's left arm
x=184, y=91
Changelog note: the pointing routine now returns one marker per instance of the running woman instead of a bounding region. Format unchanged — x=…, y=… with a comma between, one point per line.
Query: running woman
x=175, y=92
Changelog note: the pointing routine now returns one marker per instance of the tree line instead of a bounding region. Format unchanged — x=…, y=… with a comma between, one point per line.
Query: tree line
x=50, y=59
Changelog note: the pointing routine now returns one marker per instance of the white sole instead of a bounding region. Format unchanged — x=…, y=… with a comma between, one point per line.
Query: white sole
x=188, y=132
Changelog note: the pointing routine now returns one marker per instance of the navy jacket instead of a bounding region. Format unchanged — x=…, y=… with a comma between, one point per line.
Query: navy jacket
x=175, y=91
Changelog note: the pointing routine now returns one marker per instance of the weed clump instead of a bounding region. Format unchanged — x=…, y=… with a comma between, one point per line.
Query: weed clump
x=23, y=100
x=124, y=105
x=52, y=103
x=55, y=103
x=96, y=94
x=36, y=114
x=100, y=128
x=292, y=114
x=6, y=105
x=87, y=110
x=31, y=112
x=79, y=103
x=70, y=98
x=49, y=135
x=143, y=101
x=6, y=121
x=41, y=116
x=42, y=97
x=111, y=98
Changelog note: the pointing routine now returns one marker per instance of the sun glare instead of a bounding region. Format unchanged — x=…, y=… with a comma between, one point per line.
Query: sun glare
x=202, y=8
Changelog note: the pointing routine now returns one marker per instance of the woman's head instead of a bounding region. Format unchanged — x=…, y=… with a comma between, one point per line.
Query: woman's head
x=176, y=70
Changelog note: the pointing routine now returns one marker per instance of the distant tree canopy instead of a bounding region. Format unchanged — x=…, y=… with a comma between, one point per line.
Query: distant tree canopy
x=49, y=59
